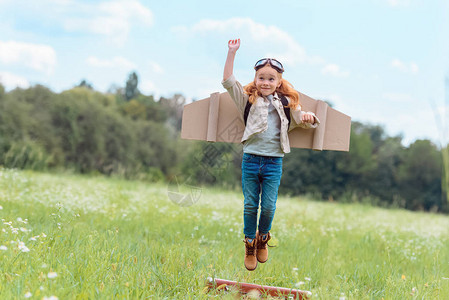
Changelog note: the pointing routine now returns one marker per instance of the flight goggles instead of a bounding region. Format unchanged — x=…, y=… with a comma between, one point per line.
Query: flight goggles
x=273, y=62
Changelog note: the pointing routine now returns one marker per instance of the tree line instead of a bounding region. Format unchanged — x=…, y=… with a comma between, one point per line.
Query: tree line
x=131, y=135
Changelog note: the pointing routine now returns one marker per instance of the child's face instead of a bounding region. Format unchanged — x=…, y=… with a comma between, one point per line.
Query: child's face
x=267, y=80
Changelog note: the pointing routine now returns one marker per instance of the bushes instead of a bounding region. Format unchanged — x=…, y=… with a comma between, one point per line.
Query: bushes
x=82, y=130
x=90, y=132
x=26, y=155
x=378, y=169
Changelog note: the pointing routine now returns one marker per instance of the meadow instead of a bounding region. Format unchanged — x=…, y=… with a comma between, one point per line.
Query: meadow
x=85, y=237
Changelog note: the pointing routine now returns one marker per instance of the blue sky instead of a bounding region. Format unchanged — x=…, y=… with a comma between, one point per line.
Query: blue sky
x=382, y=62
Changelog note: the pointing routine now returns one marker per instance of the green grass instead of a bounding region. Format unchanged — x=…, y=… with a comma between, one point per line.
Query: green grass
x=108, y=239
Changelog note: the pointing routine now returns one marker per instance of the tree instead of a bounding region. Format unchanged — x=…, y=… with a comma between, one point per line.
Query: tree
x=135, y=110
x=420, y=176
x=131, y=90
x=384, y=180
x=355, y=166
x=85, y=84
x=173, y=108
x=445, y=180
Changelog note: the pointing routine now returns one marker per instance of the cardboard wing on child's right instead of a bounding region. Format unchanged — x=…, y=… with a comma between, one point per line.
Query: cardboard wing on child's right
x=217, y=119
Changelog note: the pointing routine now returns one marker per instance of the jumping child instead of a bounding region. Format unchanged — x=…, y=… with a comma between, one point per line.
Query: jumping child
x=270, y=107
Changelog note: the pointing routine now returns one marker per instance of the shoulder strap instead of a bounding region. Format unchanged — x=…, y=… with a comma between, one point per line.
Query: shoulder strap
x=284, y=103
x=246, y=112
x=286, y=108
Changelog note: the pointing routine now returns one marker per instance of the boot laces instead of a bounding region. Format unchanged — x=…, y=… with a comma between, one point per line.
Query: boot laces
x=261, y=244
x=249, y=249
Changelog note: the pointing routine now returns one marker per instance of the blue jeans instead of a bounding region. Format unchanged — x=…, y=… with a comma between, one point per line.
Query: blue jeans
x=261, y=176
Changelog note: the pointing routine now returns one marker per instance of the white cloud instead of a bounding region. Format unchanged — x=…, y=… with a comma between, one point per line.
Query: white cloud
x=149, y=88
x=283, y=45
x=110, y=19
x=11, y=81
x=334, y=70
x=411, y=67
x=36, y=56
x=129, y=9
x=289, y=51
x=116, y=62
x=155, y=67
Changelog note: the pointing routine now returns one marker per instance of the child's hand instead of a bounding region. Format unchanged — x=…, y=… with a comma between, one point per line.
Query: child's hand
x=234, y=45
x=308, y=118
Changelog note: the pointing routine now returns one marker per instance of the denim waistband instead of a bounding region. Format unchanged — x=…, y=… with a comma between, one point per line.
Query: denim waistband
x=262, y=156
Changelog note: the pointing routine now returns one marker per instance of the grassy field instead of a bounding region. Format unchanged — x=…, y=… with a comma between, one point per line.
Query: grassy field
x=75, y=237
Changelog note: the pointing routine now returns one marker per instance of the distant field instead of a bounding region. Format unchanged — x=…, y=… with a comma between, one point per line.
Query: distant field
x=78, y=237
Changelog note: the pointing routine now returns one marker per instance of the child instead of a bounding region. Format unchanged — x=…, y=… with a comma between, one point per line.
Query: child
x=272, y=109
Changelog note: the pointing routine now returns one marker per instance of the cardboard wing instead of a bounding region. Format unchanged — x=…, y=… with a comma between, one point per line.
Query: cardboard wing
x=217, y=119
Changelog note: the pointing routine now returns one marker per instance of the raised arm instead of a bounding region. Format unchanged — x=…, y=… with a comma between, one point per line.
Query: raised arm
x=233, y=46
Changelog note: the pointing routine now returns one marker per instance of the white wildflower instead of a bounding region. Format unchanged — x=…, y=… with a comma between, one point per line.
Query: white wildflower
x=307, y=278
x=23, y=229
x=23, y=248
x=43, y=235
x=52, y=275
x=4, y=248
x=298, y=284
x=50, y=298
x=1, y=207
x=28, y=295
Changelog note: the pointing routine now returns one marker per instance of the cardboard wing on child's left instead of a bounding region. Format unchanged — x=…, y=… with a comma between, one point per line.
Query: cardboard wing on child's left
x=216, y=119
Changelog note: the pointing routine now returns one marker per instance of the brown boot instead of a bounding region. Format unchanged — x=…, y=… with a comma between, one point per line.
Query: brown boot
x=250, y=254
x=262, y=249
